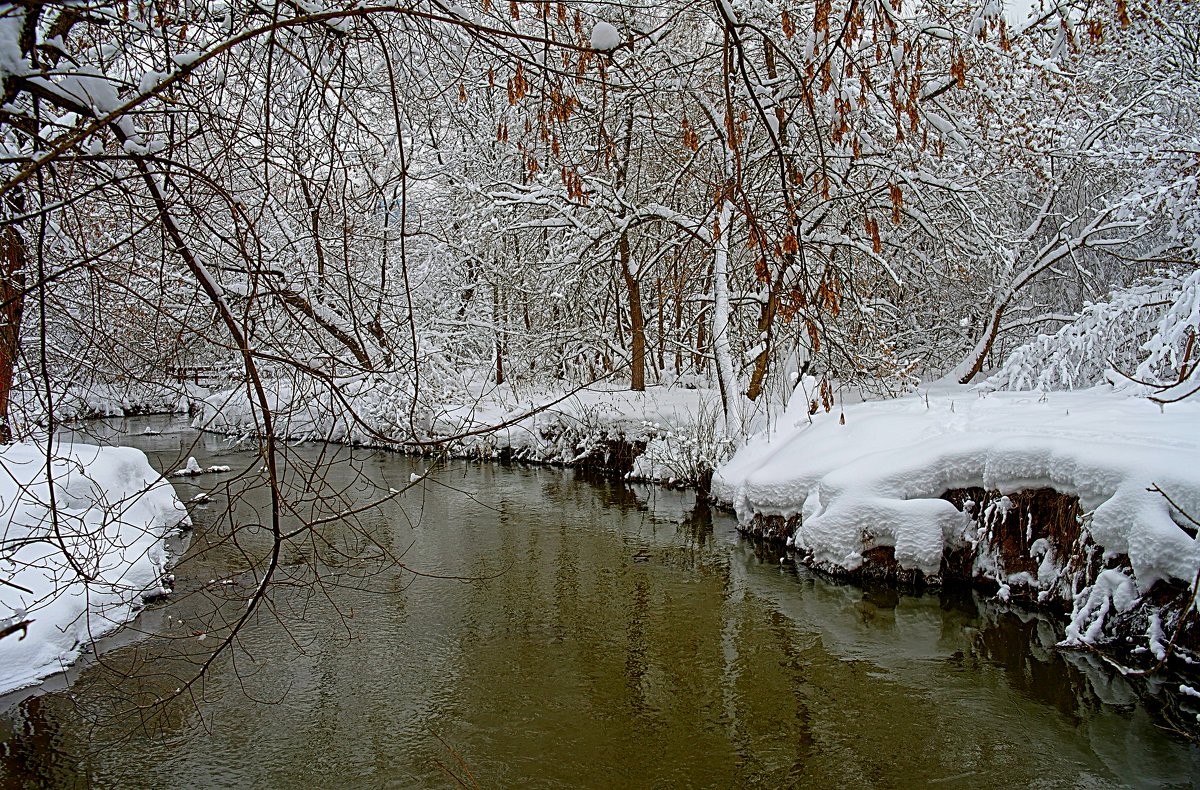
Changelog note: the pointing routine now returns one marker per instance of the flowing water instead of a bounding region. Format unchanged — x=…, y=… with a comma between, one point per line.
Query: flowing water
x=549, y=631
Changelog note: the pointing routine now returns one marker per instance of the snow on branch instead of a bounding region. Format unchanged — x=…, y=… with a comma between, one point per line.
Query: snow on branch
x=1141, y=340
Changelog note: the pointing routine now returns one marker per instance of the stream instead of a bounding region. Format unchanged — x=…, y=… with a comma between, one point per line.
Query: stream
x=547, y=630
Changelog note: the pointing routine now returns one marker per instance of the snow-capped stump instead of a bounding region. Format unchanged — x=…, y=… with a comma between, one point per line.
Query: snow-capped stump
x=605, y=37
x=193, y=468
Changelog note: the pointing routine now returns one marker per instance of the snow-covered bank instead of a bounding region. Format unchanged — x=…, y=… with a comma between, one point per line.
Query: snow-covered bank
x=875, y=478
x=99, y=399
x=76, y=559
x=676, y=426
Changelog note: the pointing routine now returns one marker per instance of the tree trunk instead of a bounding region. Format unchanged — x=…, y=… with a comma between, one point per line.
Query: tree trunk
x=12, y=305
x=496, y=311
x=677, y=301
x=766, y=322
x=662, y=305
x=731, y=395
x=637, y=329
x=970, y=367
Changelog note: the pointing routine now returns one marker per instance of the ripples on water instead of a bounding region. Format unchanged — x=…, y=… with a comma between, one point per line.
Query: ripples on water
x=599, y=635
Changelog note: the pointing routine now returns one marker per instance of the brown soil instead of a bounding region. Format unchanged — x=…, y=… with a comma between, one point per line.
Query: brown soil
x=611, y=456
x=1042, y=513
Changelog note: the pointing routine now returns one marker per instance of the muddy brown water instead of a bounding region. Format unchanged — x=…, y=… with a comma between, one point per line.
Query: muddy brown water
x=562, y=633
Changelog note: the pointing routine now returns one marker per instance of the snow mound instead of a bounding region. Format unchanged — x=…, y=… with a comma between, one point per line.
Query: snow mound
x=193, y=469
x=605, y=37
x=876, y=479
x=85, y=572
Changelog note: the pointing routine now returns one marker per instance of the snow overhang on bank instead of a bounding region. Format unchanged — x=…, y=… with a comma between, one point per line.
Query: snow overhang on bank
x=874, y=475
x=76, y=560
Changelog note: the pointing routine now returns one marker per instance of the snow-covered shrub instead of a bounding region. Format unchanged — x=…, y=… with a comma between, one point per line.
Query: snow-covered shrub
x=373, y=408
x=1171, y=354
x=1141, y=339
x=683, y=454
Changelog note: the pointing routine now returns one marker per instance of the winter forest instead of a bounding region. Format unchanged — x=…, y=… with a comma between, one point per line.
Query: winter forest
x=420, y=198
x=868, y=272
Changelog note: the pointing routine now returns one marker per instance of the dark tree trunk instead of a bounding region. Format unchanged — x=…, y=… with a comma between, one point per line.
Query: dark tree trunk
x=766, y=322
x=12, y=306
x=971, y=367
x=637, y=329
x=496, y=313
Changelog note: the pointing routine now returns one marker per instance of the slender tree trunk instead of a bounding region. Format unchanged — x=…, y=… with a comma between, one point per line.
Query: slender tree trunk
x=314, y=227
x=496, y=312
x=766, y=322
x=970, y=367
x=662, y=306
x=12, y=306
x=637, y=328
x=677, y=298
x=731, y=395
x=637, y=322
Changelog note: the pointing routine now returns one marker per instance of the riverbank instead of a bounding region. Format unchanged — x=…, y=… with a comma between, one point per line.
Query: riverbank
x=1077, y=502
x=669, y=435
x=83, y=561
x=1082, y=501
x=81, y=554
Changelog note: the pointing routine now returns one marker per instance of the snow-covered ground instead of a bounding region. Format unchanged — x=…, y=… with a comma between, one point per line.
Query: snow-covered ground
x=872, y=475
x=82, y=573
x=105, y=400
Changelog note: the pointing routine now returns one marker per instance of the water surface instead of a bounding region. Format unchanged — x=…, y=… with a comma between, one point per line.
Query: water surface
x=561, y=633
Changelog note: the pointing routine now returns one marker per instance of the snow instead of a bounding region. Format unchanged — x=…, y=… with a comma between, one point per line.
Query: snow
x=876, y=480
x=193, y=468
x=186, y=58
x=546, y=426
x=1156, y=638
x=102, y=399
x=12, y=61
x=605, y=37
x=150, y=80
x=89, y=87
x=113, y=511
